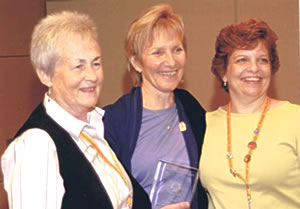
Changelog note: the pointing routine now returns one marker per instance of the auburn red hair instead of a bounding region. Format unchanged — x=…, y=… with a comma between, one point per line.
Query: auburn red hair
x=245, y=35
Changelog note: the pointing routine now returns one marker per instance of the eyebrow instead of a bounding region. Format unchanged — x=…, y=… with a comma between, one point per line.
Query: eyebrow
x=95, y=59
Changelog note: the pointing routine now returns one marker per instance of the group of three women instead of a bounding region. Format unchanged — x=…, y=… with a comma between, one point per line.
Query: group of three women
x=250, y=155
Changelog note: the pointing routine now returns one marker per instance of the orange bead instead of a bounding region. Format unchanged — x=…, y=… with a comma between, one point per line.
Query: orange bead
x=247, y=158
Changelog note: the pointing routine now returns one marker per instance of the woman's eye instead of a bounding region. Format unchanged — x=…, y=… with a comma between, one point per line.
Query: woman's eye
x=79, y=67
x=264, y=60
x=158, y=52
x=96, y=64
x=241, y=60
x=178, y=49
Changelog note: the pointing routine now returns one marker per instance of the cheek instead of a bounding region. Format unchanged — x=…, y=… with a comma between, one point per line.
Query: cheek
x=182, y=60
x=100, y=76
x=234, y=72
x=149, y=68
x=151, y=65
x=73, y=84
x=268, y=72
x=62, y=84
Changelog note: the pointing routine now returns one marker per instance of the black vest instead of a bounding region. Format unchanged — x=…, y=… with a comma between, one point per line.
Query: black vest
x=83, y=188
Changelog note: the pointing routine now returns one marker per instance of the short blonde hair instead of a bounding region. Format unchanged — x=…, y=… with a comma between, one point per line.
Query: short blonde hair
x=49, y=34
x=159, y=18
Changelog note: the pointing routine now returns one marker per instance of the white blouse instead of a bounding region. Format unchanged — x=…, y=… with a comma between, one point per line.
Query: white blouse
x=31, y=170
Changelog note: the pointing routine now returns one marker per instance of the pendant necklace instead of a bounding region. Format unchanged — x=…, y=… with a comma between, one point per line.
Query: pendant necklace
x=181, y=124
x=252, y=145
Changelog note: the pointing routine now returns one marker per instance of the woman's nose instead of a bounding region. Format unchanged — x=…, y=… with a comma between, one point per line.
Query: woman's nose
x=170, y=59
x=90, y=74
x=254, y=66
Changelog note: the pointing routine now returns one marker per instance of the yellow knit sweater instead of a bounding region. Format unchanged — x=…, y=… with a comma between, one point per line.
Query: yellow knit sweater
x=275, y=163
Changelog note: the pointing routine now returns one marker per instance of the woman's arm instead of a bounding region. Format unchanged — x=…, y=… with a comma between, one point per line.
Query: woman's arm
x=31, y=172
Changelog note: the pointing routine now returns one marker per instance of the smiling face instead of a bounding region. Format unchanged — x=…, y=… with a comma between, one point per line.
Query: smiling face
x=248, y=73
x=78, y=77
x=162, y=64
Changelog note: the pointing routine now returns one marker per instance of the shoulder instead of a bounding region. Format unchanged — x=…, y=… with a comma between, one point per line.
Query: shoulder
x=286, y=108
x=124, y=101
x=33, y=142
x=33, y=138
x=33, y=149
x=216, y=116
x=187, y=100
x=294, y=107
x=122, y=115
x=293, y=110
x=126, y=104
x=183, y=93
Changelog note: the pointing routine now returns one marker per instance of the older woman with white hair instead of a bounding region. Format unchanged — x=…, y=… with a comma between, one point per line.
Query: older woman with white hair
x=59, y=158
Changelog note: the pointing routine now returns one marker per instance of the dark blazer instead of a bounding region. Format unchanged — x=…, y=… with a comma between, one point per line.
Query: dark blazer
x=122, y=122
x=83, y=187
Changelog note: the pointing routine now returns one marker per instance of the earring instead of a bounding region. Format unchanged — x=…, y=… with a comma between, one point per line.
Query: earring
x=48, y=94
x=225, y=86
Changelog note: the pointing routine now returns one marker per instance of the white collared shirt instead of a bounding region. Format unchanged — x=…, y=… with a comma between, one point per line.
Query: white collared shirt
x=31, y=170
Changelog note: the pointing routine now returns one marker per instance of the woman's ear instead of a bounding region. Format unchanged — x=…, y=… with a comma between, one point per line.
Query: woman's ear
x=136, y=64
x=44, y=78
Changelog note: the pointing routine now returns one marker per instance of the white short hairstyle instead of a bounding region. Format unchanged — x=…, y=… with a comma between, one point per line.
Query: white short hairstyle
x=50, y=32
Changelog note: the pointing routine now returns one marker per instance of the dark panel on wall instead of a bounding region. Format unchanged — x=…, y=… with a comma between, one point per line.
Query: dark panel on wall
x=20, y=90
x=17, y=18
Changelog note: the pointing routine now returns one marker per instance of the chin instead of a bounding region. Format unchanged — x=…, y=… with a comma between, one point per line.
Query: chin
x=253, y=91
x=253, y=94
x=89, y=104
x=169, y=88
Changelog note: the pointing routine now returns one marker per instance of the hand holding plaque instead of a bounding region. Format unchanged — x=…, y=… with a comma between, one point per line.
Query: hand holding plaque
x=173, y=183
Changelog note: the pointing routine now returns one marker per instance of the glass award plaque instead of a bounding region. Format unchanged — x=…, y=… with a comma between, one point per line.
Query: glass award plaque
x=173, y=183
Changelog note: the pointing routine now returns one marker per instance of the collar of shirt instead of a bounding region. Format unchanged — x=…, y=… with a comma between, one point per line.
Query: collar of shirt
x=112, y=181
x=72, y=125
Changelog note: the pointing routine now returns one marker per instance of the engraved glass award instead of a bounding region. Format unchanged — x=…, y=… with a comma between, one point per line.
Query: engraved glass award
x=173, y=183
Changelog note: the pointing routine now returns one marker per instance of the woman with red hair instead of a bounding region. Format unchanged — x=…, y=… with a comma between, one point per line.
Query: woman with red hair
x=253, y=141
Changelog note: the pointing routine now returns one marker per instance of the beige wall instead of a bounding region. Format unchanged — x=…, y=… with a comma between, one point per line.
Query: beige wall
x=20, y=90
x=203, y=20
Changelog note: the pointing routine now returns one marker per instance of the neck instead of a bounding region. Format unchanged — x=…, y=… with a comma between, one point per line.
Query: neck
x=80, y=115
x=248, y=106
x=158, y=100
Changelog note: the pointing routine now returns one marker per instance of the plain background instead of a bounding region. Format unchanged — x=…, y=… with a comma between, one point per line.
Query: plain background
x=203, y=21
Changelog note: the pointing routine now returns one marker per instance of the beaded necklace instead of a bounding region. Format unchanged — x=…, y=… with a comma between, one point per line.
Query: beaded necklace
x=251, y=145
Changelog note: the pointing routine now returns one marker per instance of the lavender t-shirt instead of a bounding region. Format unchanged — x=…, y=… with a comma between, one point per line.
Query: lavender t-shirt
x=159, y=139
